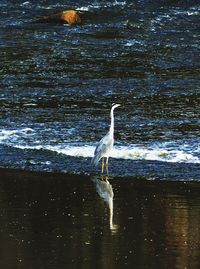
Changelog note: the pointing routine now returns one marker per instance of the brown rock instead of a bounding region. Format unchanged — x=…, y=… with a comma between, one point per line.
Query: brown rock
x=69, y=16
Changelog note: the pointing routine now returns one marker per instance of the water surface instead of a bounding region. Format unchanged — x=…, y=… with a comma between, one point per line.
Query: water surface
x=61, y=221
x=58, y=83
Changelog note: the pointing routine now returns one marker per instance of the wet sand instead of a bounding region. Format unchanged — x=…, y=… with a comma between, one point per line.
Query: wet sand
x=52, y=220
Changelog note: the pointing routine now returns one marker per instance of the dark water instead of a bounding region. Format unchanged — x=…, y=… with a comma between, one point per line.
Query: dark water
x=58, y=83
x=60, y=221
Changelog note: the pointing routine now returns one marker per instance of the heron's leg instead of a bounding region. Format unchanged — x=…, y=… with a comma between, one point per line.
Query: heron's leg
x=102, y=168
x=107, y=165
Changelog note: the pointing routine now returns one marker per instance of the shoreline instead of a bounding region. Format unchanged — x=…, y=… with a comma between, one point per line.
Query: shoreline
x=9, y=172
x=136, y=180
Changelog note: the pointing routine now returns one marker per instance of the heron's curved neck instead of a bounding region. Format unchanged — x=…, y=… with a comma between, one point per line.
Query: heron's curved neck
x=112, y=121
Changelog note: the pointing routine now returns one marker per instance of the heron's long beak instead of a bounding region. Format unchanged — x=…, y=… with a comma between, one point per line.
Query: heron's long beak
x=117, y=105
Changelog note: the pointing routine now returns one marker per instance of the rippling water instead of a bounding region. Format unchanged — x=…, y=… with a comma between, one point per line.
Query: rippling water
x=58, y=84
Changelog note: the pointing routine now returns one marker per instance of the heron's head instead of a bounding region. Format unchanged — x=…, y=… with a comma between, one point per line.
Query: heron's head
x=115, y=105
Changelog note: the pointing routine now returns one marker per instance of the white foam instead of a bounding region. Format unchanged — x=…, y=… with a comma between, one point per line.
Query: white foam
x=166, y=152
x=97, y=6
x=123, y=152
x=131, y=42
x=25, y=3
x=7, y=134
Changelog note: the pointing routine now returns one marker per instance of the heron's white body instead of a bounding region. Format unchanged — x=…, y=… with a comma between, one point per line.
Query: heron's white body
x=105, y=145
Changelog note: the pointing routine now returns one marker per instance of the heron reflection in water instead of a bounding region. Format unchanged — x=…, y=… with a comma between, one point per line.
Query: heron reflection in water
x=105, y=191
x=105, y=145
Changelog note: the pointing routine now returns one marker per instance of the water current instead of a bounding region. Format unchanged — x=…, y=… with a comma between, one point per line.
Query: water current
x=57, y=84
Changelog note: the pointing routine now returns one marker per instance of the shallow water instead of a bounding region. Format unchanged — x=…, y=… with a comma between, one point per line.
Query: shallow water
x=61, y=221
x=58, y=83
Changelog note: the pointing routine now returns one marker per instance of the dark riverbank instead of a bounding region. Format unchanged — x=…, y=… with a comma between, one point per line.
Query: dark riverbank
x=54, y=220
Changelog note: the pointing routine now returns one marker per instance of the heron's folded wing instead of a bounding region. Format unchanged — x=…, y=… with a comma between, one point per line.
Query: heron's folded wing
x=102, y=145
x=99, y=152
x=100, y=148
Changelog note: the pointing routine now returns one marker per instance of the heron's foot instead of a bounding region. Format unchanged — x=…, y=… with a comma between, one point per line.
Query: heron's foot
x=104, y=178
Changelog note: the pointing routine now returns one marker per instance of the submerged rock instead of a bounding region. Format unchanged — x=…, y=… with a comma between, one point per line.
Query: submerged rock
x=68, y=16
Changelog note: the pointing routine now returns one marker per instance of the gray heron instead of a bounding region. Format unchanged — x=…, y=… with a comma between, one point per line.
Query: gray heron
x=105, y=145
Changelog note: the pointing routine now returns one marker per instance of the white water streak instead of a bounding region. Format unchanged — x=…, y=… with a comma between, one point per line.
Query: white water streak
x=161, y=152
x=123, y=152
